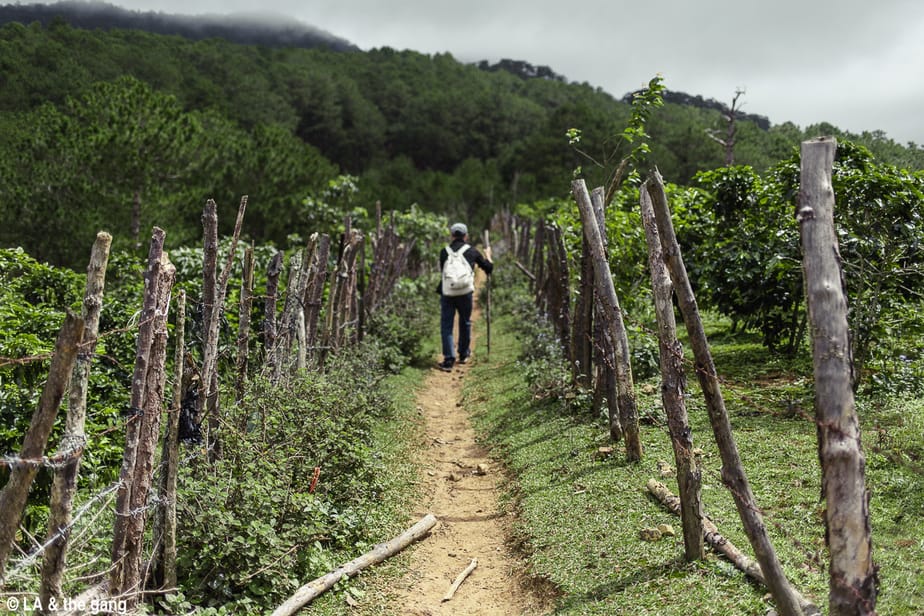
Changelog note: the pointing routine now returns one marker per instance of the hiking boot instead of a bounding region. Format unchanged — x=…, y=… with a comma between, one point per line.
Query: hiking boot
x=464, y=359
x=446, y=365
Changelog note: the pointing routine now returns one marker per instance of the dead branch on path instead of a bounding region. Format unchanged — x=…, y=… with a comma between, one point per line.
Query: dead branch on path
x=313, y=589
x=459, y=579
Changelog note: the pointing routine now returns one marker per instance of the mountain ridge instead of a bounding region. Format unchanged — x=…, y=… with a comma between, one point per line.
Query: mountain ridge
x=242, y=28
x=278, y=30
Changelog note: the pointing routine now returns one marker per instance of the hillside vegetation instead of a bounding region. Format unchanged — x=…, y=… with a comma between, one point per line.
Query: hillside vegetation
x=124, y=125
x=309, y=461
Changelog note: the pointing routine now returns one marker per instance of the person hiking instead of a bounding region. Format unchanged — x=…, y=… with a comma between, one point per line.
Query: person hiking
x=457, y=290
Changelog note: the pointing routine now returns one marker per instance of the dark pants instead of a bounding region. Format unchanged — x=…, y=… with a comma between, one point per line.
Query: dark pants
x=448, y=308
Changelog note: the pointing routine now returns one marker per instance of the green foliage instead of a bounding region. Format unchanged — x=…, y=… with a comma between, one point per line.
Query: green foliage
x=744, y=254
x=33, y=298
x=742, y=247
x=254, y=505
x=124, y=157
x=616, y=162
x=400, y=326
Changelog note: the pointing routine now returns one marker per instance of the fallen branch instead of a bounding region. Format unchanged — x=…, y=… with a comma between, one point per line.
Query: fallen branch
x=311, y=590
x=720, y=544
x=461, y=578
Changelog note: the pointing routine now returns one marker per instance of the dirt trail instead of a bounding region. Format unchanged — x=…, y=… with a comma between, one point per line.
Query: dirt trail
x=460, y=484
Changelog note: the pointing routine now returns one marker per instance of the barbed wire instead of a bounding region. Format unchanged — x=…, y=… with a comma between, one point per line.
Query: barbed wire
x=63, y=531
x=153, y=501
x=83, y=347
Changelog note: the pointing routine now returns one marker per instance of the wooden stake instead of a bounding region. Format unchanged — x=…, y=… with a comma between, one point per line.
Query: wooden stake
x=16, y=491
x=733, y=474
x=165, y=530
x=611, y=314
x=132, y=424
x=720, y=544
x=64, y=485
x=853, y=583
x=459, y=579
x=209, y=379
x=243, y=331
x=673, y=387
x=133, y=576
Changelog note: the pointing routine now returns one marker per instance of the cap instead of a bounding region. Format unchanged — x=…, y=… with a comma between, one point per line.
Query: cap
x=458, y=229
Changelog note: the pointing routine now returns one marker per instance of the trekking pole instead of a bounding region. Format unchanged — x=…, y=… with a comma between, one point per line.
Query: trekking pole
x=487, y=308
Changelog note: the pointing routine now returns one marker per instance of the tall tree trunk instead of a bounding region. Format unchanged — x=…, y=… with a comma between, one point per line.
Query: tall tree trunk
x=673, y=387
x=732, y=470
x=853, y=580
x=615, y=328
x=64, y=484
x=15, y=493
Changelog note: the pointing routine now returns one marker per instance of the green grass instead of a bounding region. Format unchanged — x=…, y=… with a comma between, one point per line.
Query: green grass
x=580, y=515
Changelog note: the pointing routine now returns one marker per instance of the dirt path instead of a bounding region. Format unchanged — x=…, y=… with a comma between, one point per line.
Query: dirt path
x=461, y=485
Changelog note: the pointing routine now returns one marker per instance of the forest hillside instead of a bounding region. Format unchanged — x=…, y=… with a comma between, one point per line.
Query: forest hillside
x=468, y=140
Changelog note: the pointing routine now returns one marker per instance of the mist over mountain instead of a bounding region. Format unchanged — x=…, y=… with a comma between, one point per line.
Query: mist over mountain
x=243, y=28
x=270, y=31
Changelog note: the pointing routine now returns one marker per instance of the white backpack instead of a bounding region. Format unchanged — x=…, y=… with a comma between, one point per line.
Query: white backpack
x=458, y=276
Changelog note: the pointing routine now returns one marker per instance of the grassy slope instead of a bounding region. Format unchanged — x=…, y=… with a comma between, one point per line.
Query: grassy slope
x=581, y=515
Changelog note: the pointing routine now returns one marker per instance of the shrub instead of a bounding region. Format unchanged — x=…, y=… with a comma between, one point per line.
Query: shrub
x=251, y=528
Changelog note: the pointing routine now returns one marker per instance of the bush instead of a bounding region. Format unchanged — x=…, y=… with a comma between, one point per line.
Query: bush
x=399, y=327
x=251, y=529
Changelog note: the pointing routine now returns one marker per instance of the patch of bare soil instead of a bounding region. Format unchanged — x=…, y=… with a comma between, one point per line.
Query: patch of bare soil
x=461, y=484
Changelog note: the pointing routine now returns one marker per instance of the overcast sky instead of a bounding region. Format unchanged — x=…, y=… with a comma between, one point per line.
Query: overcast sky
x=857, y=64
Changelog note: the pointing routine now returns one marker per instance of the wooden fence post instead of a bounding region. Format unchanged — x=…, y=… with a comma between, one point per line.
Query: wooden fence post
x=289, y=320
x=269, y=321
x=615, y=328
x=786, y=598
x=132, y=581
x=165, y=529
x=341, y=303
x=209, y=375
x=209, y=292
x=673, y=386
x=852, y=583
x=16, y=491
x=604, y=352
x=582, y=324
x=64, y=484
x=559, y=297
x=243, y=330
x=314, y=292
x=132, y=423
